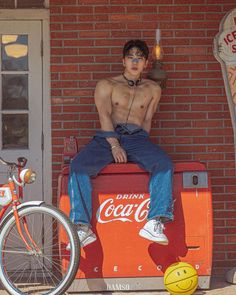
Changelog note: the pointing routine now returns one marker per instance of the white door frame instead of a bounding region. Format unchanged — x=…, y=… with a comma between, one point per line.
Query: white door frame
x=42, y=15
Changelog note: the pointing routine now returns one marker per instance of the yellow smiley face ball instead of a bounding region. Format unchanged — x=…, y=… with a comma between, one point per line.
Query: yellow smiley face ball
x=181, y=278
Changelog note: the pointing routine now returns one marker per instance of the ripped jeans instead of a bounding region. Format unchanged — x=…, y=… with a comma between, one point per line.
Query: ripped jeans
x=139, y=149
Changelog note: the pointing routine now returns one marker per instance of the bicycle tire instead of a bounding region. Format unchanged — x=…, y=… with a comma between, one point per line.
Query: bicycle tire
x=25, y=272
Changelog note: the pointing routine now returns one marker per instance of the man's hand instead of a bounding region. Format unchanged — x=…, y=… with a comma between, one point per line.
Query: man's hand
x=119, y=154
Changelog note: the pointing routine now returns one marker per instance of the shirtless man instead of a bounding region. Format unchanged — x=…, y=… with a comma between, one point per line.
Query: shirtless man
x=126, y=105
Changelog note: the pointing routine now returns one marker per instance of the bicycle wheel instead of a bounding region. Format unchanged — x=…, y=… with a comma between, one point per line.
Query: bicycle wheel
x=39, y=271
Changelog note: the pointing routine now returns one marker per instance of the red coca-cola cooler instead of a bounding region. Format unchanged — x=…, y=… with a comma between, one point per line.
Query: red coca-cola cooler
x=120, y=259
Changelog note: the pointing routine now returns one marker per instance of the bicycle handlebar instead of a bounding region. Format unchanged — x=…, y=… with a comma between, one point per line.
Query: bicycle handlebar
x=21, y=163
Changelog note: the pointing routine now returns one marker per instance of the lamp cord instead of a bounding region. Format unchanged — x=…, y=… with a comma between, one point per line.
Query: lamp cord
x=132, y=100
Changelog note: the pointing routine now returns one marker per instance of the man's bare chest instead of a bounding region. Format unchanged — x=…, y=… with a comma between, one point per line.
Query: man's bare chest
x=138, y=97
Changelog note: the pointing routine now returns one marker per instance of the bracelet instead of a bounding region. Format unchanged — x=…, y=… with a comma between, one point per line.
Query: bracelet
x=114, y=146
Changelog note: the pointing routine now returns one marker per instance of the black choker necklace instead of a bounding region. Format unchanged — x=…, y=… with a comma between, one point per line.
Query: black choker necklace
x=131, y=82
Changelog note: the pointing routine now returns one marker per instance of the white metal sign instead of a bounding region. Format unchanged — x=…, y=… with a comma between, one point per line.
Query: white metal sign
x=225, y=53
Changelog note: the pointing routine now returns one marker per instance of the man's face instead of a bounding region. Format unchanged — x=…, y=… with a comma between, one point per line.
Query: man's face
x=134, y=62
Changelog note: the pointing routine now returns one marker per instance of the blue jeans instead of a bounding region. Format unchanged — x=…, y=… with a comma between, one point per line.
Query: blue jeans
x=139, y=149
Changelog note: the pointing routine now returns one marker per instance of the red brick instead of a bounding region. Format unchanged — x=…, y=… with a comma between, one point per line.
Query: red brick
x=94, y=34
x=94, y=51
x=205, y=90
x=145, y=2
x=94, y=68
x=206, y=8
x=190, y=149
x=61, y=2
x=97, y=2
x=124, y=17
x=210, y=140
x=174, y=9
x=109, y=26
x=188, y=17
x=63, y=18
x=190, y=50
x=77, y=26
x=109, y=9
x=64, y=68
x=56, y=43
x=56, y=60
x=227, y=7
x=202, y=58
x=78, y=125
x=77, y=9
x=64, y=35
x=176, y=25
x=190, y=132
x=78, y=59
x=190, y=83
x=201, y=2
x=56, y=92
x=175, y=140
x=89, y=116
x=205, y=24
x=189, y=34
x=63, y=51
x=55, y=10
x=76, y=76
x=63, y=84
x=78, y=43
x=142, y=9
x=92, y=18
x=126, y=34
x=157, y=17
x=175, y=42
x=218, y=115
x=206, y=107
x=77, y=109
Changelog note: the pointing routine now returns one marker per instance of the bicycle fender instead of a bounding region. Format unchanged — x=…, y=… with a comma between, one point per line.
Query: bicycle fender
x=23, y=205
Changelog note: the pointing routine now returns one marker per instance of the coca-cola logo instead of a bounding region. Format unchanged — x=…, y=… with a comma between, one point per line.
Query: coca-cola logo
x=125, y=208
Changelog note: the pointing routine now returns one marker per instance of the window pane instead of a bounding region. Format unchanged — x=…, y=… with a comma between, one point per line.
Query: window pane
x=15, y=92
x=14, y=52
x=14, y=131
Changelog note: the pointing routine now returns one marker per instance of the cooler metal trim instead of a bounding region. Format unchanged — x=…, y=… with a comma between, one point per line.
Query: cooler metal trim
x=127, y=284
x=201, y=178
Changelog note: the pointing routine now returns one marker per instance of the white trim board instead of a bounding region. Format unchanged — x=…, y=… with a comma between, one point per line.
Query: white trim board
x=43, y=15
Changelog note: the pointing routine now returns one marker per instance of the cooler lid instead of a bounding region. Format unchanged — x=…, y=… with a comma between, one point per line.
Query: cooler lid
x=134, y=168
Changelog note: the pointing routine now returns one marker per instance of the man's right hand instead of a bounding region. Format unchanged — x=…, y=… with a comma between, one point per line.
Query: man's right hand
x=119, y=154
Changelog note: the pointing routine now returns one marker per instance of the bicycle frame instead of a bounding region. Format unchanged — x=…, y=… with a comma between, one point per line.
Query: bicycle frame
x=25, y=239
x=15, y=202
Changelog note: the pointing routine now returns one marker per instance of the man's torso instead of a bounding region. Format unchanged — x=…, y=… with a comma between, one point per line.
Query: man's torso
x=129, y=104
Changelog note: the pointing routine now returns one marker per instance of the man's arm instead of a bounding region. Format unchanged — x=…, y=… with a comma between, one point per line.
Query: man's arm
x=102, y=98
x=152, y=107
x=103, y=92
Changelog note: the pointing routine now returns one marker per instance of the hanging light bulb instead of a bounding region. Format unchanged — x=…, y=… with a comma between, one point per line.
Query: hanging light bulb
x=156, y=73
x=157, y=53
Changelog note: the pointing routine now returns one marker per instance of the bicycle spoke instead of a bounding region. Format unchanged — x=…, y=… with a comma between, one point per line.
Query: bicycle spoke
x=38, y=271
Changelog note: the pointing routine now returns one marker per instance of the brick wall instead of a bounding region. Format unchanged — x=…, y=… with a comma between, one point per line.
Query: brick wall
x=193, y=120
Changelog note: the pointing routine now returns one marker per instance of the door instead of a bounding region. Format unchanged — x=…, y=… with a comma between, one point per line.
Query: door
x=21, y=100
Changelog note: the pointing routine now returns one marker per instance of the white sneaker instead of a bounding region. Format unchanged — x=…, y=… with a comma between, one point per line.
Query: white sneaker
x=153, y=231
x=86, y=236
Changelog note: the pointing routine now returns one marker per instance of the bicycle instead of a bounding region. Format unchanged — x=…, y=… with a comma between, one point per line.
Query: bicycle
x=30, y=247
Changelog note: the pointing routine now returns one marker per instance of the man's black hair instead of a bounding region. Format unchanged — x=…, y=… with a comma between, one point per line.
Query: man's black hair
x=141, y=45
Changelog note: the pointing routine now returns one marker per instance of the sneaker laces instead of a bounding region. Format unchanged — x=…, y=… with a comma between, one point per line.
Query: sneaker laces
x=158, y=226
